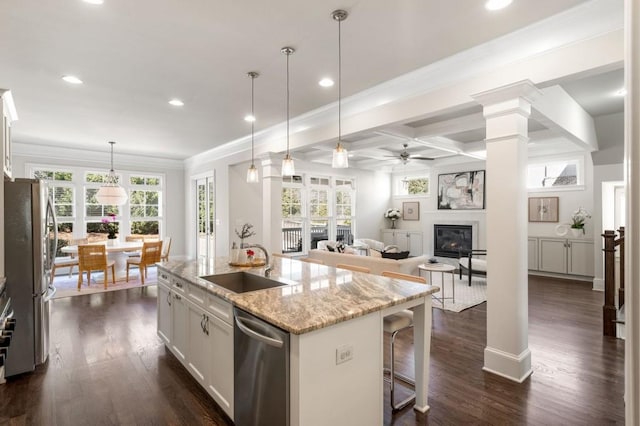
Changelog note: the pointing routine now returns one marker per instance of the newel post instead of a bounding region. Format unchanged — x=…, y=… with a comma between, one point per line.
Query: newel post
x=609, y=308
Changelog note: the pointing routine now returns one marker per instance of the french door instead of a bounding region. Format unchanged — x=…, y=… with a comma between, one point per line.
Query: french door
x=206, y=218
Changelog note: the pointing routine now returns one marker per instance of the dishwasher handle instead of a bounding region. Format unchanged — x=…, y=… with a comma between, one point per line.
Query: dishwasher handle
x=244, y=324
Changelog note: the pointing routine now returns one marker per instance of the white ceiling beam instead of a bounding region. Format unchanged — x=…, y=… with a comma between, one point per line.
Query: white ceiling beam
x=455, y=125
x=557, y=110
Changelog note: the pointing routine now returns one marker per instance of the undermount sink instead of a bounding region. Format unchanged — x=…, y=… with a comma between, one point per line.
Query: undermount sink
x=242, y=282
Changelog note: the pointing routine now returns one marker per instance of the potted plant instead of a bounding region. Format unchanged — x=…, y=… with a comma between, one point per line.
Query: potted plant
x=393, y=214
x=110, y=226
x=577, y=221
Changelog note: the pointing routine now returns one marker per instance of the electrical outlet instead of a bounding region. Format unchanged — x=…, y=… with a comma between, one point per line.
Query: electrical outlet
x=344, y=353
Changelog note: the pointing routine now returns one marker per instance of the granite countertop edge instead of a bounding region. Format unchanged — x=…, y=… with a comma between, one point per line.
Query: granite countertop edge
x=303, y=309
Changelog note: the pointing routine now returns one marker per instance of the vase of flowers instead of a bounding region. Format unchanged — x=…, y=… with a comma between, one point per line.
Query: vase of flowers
x=392, y=214
x=250, y=255
x=110, y=226
x=577, y=221
x=245, y=232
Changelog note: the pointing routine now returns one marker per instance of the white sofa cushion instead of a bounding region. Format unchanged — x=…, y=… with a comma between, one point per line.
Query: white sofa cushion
x=479, y=265
x=369, y=243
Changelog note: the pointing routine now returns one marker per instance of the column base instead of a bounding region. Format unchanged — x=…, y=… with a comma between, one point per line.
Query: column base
x=513, y=367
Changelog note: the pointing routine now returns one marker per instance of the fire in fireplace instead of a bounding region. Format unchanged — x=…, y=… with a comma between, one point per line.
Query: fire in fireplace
x=448, y=240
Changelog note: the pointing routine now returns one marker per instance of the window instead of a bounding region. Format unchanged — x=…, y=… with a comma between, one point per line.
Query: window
x=416, y=186
x=555, y=174
x=80, y=215
x=62, y=192
x=145, y=205
x=315, y=209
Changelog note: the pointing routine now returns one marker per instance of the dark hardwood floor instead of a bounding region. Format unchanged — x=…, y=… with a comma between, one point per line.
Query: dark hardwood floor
x=108, y=367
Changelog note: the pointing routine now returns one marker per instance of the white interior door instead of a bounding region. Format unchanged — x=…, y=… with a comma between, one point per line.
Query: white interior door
x=206, y=220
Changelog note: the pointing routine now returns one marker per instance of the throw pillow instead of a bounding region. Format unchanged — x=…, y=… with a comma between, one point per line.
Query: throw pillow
x=396, y=256
x=340, y=247
x=330, y=248
x=374, y=253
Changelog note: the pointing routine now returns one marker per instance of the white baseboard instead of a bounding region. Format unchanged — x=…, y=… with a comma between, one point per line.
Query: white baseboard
x=513, y=367
x=598, y=284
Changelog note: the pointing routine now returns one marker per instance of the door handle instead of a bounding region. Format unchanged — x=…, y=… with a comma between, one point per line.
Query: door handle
x=243, y=326
x=169, y=298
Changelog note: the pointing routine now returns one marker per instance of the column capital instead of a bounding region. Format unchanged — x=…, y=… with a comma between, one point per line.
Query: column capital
x=524, y=89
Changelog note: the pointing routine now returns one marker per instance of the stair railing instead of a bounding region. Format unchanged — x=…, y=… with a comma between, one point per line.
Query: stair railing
x=609, y=309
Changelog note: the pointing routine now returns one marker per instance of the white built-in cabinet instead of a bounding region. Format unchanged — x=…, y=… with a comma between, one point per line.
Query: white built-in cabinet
x=410, y=241
x=197, y=328
x=561, y=256
x=8, y=117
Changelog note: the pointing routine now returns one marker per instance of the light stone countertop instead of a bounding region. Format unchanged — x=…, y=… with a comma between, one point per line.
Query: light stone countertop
x=314, y=296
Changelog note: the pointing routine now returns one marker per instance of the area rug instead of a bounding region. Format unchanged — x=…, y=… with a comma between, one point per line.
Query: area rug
x=69, y=286
x=466, y=296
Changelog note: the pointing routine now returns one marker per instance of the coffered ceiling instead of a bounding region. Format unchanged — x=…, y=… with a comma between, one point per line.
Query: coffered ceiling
x=134, y=56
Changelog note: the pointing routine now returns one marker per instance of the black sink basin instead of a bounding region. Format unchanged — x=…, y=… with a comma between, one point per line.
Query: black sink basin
x=241, y=282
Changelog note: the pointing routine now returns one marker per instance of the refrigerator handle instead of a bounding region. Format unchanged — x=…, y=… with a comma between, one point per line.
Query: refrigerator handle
x=50, y=294
x=51, y=249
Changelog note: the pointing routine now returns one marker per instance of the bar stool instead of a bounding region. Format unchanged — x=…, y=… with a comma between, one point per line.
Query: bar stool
x=394, y=324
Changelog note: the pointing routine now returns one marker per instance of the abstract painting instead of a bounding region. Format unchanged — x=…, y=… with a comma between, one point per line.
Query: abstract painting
x=461, y=191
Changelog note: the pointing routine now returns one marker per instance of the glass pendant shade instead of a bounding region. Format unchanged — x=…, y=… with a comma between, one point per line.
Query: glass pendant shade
x=288, y=168
x=252, y=174
x=340, y=157
x=111, y=194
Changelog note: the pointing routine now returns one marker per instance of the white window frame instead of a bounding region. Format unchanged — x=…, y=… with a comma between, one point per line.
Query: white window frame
x=580, y=172
x=400, y=192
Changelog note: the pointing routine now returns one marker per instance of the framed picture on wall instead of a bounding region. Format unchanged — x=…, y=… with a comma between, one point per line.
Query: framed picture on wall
x=543, y=209
x=411, y=210
x=461, y=191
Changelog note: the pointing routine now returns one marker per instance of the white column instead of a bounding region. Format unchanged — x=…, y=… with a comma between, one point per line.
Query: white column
x=506, y=110
x=272, y=202
x=632, y=231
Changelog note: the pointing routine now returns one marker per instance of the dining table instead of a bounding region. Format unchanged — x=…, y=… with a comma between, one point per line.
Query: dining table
x=116, y=250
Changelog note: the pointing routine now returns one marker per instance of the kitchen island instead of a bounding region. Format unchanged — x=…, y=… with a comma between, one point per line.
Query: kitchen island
x=335, y=321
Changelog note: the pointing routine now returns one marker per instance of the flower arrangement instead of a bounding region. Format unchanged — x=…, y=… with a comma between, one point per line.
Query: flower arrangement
x=245, y=232
x=250, y=254
x=578, y=217
x=109, y=224
x=393, y=214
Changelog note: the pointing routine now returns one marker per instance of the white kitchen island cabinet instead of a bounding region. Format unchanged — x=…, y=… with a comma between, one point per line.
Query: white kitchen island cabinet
x=326, y=311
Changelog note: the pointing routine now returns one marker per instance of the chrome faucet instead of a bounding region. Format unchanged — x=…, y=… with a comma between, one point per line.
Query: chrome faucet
x=267, y=267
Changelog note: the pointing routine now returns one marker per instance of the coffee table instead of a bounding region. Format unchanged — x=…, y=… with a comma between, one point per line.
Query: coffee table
x=442, y=268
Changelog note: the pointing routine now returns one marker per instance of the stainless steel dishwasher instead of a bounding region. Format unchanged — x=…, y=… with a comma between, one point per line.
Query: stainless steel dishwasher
x=261, y=372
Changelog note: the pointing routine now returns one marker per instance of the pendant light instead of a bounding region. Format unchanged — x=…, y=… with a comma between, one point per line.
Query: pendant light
x=340, y=155
x=252, y=173
x=110, y=193
x=288, y=168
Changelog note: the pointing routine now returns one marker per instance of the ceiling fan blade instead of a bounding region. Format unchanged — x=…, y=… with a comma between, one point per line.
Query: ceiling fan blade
x=420, y=158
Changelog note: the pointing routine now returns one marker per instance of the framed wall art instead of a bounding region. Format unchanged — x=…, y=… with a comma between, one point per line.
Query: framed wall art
x=461, y=191
x=543, y=209
x=411, y=210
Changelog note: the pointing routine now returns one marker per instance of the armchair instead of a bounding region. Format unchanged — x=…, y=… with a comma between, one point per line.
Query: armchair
x=470, y=265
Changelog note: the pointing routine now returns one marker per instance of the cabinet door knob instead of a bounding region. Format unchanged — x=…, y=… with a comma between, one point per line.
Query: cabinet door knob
x=169, y=298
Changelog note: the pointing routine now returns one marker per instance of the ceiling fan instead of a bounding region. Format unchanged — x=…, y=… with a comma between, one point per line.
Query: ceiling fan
x=404, y=156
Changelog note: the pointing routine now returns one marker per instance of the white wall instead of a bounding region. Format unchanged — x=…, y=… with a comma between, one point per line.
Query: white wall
x=601, y=176
x=569, y=201
x=173, y=197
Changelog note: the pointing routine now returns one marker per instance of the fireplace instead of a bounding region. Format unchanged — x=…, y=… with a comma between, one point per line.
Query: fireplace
x=449, y=239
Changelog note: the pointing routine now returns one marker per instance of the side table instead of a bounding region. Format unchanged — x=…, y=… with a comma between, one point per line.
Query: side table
x=442, y=268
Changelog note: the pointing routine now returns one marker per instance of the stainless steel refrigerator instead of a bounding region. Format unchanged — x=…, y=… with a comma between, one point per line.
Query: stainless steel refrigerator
x=30, y=233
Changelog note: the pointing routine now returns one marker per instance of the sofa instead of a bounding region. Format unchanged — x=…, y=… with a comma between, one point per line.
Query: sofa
x=375, y=264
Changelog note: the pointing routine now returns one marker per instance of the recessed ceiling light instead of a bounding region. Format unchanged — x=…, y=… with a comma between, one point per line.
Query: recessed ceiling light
x=621, y=92
x=497, y=4
x=72, y=79
x=94, y=1
x=250, y=118
x=326, y=82
x=176, y=102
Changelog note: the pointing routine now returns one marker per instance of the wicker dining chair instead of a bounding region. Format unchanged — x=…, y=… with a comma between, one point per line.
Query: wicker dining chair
x=93, y=257
x=70, y=261
x=151, y=253
x=166, y=247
